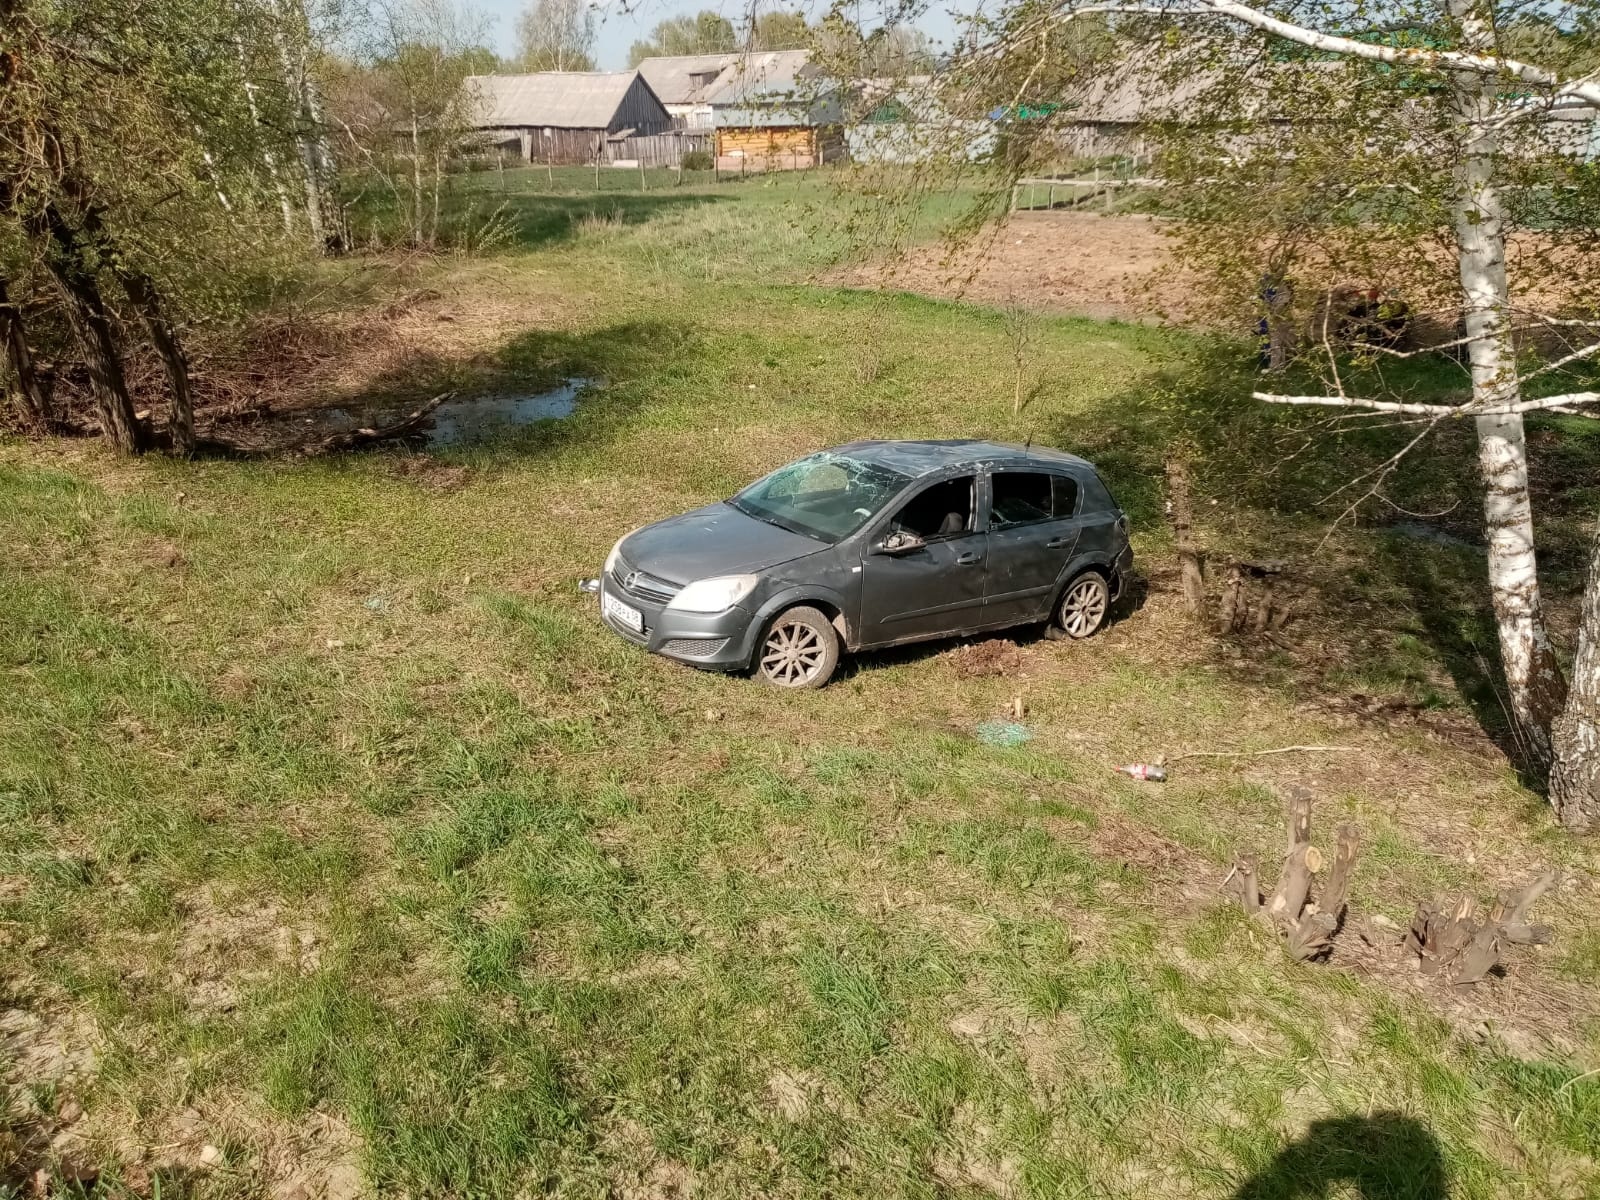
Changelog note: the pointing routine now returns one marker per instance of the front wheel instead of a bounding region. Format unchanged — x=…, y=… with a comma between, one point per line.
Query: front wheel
x=1084, y=605
x=800, y=650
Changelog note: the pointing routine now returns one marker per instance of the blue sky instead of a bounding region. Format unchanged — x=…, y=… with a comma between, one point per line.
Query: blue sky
x=618, y=28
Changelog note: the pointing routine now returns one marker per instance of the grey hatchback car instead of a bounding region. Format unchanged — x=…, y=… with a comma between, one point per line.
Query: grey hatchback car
x=869, y=545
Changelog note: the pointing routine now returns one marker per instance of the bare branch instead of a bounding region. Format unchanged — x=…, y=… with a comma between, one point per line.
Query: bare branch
x=1545, y=404
x=1582, y=88
x=1391, y=406
x=1586, y=352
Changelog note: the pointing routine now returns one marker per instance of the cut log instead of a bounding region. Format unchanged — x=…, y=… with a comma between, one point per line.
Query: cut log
x=1295, y=884
x=1231, y=614
x=1245, y=879
x=216, y=442
x=1478, y=957
x=1516, y=904
x=1526, y=935
x=1335, y=894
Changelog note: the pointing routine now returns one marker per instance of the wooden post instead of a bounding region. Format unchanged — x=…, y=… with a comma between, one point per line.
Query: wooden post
x=641, y=172
x=680, y=158
x=597, y=170
x=1109, y=191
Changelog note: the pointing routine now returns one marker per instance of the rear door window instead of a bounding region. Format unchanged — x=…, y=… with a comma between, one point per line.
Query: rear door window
x=1020, y=498
x=1065, y=496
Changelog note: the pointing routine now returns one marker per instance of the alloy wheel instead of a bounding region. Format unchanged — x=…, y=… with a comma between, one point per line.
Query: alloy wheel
x=1084, y=606
x=793, y=654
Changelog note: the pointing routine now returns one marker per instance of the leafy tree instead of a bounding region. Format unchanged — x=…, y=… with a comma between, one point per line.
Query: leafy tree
x=409, y=77
x=1403, y=146
x=780, y=30
x=706, y=32
x=129, y=148
x=556, y=35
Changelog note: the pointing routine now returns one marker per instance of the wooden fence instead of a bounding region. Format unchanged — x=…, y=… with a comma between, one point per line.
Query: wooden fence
x=658, y=149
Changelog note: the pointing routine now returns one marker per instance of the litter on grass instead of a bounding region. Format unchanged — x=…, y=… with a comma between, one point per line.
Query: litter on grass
x=1003, y=733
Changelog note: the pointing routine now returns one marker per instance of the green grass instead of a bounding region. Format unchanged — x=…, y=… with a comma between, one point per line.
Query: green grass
x=355, y=837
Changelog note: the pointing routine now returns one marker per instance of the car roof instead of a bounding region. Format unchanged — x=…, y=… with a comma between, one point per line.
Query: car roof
x=924, y=458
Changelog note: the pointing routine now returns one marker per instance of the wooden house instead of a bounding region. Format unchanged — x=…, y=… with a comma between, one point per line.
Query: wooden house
x=566, y=117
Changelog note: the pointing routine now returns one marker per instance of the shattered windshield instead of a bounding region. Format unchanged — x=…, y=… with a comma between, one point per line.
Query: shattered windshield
x=826, y=496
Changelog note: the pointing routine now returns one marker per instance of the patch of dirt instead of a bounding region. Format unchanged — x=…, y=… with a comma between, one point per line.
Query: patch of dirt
x=222, y=951
x=1078, y=264
x=43, y=1053
x=995, y=656
x=429, y=473
x=642, y=1174
x=792, y=1093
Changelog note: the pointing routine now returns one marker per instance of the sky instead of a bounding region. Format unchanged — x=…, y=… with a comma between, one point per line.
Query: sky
x=617, y=28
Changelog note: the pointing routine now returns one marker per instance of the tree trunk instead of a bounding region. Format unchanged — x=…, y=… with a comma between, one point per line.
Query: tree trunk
x=1534, y=682
x=33, y=396
x=1191, y=567
x=91, y=327
x=142, y=291
x=1575, y=779
x=416, y=178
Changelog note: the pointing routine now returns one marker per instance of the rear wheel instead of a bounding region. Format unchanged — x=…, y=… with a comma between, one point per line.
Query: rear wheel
x=1084, y=605
x=800, y=650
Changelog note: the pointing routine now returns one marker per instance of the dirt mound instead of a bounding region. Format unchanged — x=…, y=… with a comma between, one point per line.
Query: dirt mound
x=1078, y=264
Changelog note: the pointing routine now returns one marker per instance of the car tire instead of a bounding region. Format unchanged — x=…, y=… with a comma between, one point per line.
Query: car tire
x=799, y=649
x=1083, y=606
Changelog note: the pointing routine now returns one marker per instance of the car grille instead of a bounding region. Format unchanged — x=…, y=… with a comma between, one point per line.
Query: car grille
x=693, y=647
x=646, y=587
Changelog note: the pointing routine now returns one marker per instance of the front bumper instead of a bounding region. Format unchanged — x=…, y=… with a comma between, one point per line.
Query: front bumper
x=718, y=641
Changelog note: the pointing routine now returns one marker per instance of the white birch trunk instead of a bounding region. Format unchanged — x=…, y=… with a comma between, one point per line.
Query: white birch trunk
x=1535, y=687
x=1575, y=778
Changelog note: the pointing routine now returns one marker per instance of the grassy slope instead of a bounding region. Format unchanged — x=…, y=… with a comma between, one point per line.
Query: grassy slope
x=336, y=825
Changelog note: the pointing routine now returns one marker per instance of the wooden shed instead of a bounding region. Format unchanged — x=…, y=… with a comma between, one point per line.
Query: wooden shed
x=566, y=117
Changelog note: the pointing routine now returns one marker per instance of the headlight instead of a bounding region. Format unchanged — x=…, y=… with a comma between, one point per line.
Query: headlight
x=714, y=595
x=611, y=559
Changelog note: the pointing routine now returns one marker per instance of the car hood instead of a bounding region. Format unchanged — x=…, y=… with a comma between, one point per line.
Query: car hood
x=715, y=540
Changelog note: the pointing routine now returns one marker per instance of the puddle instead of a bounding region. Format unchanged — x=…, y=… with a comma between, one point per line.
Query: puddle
x=473, y=418
x=1423, y=532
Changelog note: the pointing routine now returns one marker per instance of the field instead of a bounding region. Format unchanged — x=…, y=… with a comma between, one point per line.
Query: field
x=343, y=852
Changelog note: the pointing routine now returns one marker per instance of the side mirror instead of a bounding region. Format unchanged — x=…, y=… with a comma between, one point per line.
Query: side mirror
x=900, y=542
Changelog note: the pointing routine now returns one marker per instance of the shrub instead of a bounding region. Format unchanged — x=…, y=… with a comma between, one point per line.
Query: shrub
x=697, y=160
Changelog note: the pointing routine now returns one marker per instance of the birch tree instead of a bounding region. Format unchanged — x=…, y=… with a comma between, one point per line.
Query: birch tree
x=1384, y=139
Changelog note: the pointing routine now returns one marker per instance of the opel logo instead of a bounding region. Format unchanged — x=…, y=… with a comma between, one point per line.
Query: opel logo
x=632, y=578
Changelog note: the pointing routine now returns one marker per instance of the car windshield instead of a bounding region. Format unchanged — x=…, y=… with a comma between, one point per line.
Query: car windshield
x=826, y=496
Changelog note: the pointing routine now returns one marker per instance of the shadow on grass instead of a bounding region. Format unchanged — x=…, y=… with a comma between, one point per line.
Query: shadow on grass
x=1271, y=480
x=533, y=218
x=1385, y=1156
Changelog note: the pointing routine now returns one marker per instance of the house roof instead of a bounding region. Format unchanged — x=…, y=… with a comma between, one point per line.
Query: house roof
x=672, y=76
x=557, y=99
x=763, y=78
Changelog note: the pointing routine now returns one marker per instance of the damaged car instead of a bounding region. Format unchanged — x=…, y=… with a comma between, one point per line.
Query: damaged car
x=870, y=545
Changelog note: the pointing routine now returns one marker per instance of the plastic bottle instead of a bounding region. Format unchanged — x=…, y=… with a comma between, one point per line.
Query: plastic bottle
x=1146, y=771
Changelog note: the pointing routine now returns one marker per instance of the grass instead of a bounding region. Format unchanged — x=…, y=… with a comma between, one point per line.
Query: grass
x=336, y=835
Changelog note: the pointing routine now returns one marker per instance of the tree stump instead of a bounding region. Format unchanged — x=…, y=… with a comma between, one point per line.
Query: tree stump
x=1453, y=940
x=1307, y=927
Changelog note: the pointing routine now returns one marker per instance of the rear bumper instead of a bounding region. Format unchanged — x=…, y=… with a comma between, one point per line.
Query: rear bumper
x=717, y=641
x=1120, y=570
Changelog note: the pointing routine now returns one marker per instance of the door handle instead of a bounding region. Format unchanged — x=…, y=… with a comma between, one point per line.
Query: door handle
x=1055, y=543
x=967, y=559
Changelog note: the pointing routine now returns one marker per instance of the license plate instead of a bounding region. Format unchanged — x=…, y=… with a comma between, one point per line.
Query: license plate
x=622, y=614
